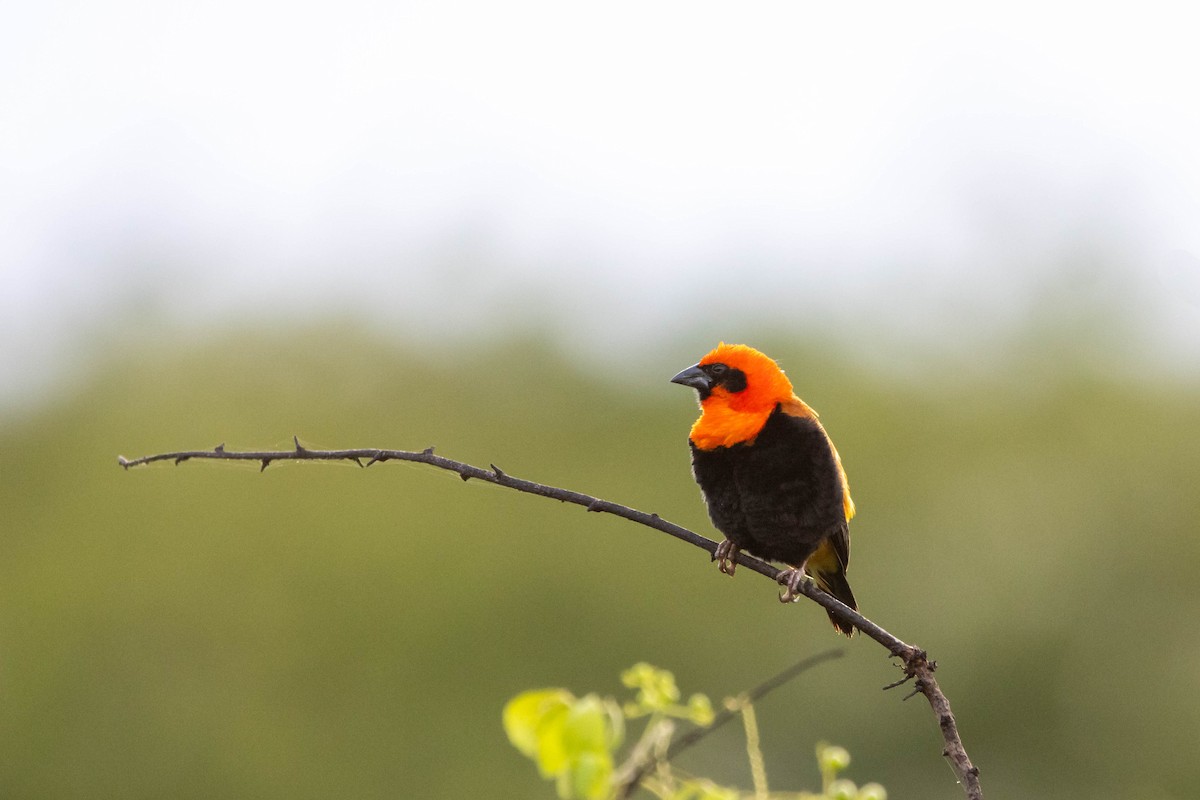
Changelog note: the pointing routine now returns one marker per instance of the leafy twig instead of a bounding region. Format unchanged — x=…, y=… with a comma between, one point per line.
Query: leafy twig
x=725, y=714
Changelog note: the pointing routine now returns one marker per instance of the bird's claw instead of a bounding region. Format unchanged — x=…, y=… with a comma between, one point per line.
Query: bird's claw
x=791, y=579
x=726, y=556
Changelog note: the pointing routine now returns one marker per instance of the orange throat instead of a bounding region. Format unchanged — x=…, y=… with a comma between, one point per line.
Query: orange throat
x=724, y=422
x=721, y=425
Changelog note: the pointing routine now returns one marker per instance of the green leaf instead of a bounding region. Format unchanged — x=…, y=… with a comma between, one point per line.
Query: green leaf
x=587, y=776
x=586, y=727
x=569, y=739
x=552, y=755
x=528, y=715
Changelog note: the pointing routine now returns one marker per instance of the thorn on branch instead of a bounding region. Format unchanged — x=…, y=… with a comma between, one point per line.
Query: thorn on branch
x=300, y=450
x=356, y=460
x=428, y=451
x=181, y=459
x=219, y=449
x=265, y=463
x=914, y=659
x=497, y=472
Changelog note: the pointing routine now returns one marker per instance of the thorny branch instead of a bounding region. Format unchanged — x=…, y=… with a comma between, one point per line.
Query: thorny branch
x=915, y=662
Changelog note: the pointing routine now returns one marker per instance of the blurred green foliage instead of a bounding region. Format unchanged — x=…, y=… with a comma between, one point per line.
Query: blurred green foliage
x=572, y=739
x=576, y=742
x=320, y=630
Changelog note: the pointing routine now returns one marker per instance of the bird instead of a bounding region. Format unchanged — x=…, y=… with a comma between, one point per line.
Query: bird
x=770, y=476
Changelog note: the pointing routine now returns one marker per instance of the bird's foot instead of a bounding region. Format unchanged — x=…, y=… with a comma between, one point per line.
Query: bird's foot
x=726, y=556
x=791, y=579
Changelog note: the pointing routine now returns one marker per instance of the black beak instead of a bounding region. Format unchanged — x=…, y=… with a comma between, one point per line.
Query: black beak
x=696, y=378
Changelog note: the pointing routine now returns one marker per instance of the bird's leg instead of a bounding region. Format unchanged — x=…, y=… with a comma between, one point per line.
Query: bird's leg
x=791, y=579
x=726, y=556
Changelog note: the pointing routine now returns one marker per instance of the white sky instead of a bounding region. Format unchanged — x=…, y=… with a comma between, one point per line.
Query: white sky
x=624, y=167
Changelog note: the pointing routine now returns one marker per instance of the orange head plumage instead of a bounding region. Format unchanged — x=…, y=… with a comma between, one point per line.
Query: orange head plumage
x=739, y=388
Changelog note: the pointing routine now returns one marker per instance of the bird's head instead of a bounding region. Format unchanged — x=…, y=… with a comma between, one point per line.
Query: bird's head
x=739, y=378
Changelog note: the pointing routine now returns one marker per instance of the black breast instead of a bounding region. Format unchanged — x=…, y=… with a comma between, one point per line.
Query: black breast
x=778, y=497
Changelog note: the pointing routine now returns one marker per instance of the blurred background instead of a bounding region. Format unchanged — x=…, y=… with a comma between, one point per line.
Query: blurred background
x=968, y=234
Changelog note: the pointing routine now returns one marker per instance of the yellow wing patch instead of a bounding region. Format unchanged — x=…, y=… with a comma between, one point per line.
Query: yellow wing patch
x=847, y=501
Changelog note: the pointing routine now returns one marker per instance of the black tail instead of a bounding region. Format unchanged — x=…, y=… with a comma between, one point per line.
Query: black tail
x=834, y=582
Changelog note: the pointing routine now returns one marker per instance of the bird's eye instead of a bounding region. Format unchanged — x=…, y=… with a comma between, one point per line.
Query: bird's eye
x=717, y=370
